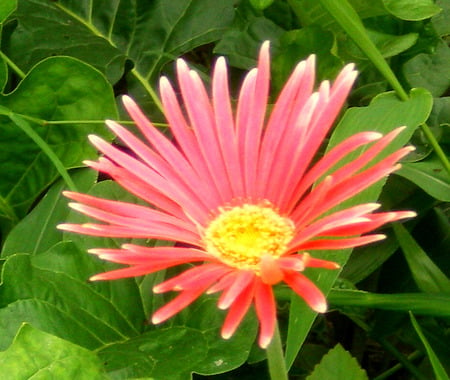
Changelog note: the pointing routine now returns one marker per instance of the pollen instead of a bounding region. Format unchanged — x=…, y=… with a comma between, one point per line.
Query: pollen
x=240, y=236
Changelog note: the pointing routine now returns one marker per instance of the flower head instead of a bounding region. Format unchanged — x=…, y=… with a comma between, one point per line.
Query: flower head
x=237, y=191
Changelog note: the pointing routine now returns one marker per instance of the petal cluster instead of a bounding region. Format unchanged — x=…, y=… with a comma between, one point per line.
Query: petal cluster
x=219, y=158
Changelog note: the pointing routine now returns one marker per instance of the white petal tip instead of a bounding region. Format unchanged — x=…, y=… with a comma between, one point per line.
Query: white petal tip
x=264, y=342
x=226, y=335
x=321, y=307
x=156, y=320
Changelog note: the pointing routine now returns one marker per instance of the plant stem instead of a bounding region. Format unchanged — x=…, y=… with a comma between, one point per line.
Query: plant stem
x=13, y=66
x=402, y=359
x=275, y=357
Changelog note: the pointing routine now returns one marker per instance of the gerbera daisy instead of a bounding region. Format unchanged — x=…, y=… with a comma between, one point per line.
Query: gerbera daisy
x=238, y=191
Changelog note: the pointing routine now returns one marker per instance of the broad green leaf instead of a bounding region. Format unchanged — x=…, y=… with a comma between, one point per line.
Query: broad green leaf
x=427, y=275
x=51, y=291
x=338, y=364
x=106, y=33
x=412, y=10
x=261, y=4
x=419, y=303
x=174, y=353
x=429, y=175
x=167, y=353
x=39, y=226
x=384, y=114
x=440, y=115
x=296, y=45
x=57, y=89
x=242, y=41
x=389, y=45
x=441, y=21
x=430, y=71
x=223, y=355
x=40, y=356
x=312, y=12
x=438, y=368
x=6, y=8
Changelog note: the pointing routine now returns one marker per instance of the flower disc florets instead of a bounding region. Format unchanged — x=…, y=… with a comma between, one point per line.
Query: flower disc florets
x=241, y=235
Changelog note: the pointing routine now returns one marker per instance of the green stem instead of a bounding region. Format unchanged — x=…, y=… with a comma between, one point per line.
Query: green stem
x=402, y=359
x=62, y=122
x=13, y=66
x=148, y=88
x=387, y=374
x=275, y=357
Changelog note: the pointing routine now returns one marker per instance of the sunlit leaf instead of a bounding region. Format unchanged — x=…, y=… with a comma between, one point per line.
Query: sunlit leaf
x=412, y=10
x=57, y=89
x=26, y=358
x=338, y=364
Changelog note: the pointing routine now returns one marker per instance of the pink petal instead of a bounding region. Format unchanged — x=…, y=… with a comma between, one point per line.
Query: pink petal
x=225, y=127
x=193, y=278
x=332, y=158
x=202, y=121
x=266, y=312
x=177, y=304
x=237, y=311
x=285, y=111
x=306, y=289
x=241, y=281
x=137, y=186
x=339, y=243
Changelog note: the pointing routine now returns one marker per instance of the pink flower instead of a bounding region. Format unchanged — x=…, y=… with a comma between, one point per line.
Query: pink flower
x=239, y=190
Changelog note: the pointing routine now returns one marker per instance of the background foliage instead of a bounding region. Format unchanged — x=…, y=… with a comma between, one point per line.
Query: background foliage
x=64, y=65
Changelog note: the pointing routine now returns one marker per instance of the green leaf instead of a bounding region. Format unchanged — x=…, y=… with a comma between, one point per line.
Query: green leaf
x=106, y=33
x=261, y=4
x=429, y=176
x=51, y=291
x=427, y=275
x=437, y=305
x=383, y=114
x=412, y=10
x=296, y=45
x=438, y=368
x=6, y=8
x=242, y=41
x=176, y=352
x=58, y=89
x=312, y=12
x=389, y=45
x=39, y=226
x=441, y=21
x=40, y=356
x=170, y=353
x=338, y=364
x=430, y=71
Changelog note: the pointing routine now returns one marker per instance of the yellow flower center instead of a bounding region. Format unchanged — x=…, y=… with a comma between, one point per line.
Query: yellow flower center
x=240, y=236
